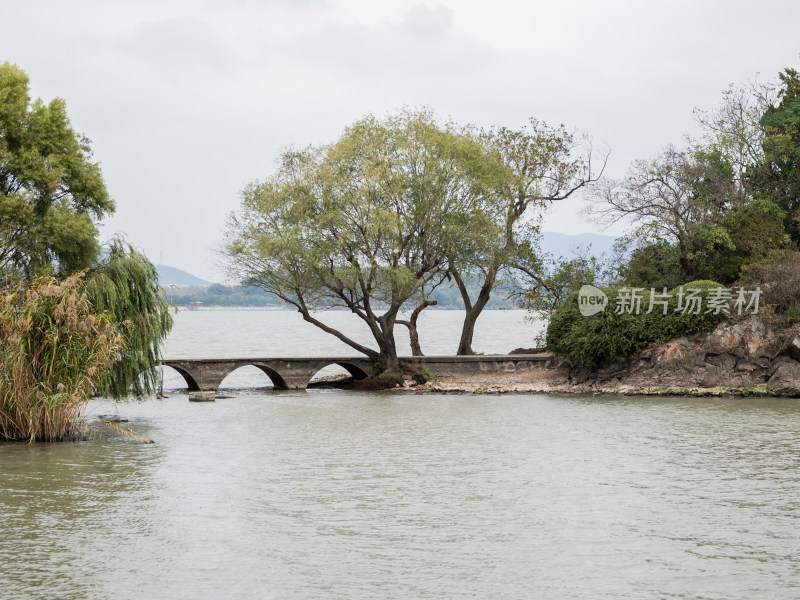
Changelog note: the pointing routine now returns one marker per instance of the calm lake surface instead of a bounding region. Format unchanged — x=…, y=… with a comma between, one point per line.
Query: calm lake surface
x=330, y=494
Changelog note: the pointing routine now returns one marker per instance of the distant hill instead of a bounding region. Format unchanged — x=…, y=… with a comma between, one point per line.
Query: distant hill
x=557, y=244
x=564, y=245
x=172, y=276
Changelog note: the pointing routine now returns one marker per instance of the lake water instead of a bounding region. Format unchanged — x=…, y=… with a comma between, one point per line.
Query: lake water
x=329, y=494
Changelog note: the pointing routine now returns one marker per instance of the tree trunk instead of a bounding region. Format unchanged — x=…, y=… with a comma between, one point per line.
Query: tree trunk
x=413, y=335
x=369, y=352
x=387, y=359
x=467, y=332
x=473, y=312
x=683, y=259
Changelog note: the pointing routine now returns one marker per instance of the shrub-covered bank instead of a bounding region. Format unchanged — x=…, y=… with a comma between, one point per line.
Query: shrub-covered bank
x=55, y=351
x=591, y=341
x=76, y=317
x=745, y=358
x=62, y=341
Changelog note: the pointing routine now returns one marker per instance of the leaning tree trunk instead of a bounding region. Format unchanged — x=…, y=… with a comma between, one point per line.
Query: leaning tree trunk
x=473, y=312
x=413, y=335
x=387, y=357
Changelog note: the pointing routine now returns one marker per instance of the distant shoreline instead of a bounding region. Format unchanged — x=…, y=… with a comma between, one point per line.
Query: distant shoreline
x=187, y=308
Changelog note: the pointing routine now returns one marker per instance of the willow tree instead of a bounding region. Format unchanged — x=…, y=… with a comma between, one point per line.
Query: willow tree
x=124, y=285
x=540, y=165
x=366, y=223
x=52, y=197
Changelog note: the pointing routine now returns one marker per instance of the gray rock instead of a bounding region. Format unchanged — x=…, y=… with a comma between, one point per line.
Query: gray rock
x=768, y=351
x=793, y=348
x=787, y=375
x=725, y=361
x=746, y=366
x=744, y=338
x=713, y=377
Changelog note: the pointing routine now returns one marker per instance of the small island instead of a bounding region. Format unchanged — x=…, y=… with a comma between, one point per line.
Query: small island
x=406, y=212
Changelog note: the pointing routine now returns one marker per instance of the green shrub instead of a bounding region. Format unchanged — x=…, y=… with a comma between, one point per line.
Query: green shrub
x=595, y=340
x=55, y=351
x=392, y=376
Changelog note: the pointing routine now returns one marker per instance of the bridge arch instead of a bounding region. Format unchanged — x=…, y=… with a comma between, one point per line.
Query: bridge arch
x=354, y=370
x=277, y=380
x=344, y=368
x=191, y=383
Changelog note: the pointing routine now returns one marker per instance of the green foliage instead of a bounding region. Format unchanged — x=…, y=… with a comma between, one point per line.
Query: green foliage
x=709, y=211
x=685, y=208
x=392, y=376
x=654, y=265
x=717, y=249
x=777, y=175
x=55, y=352
x=366, y=223
x=595, y=340
x=125, y=286
x=51, y=195
x=551, y=281
x=446, y=295
x=51, y=192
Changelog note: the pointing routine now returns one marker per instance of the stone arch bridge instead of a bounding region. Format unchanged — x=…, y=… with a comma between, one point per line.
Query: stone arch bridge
x=206, y=374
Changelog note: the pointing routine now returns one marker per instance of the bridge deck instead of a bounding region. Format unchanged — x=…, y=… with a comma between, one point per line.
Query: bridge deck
x=206, y=374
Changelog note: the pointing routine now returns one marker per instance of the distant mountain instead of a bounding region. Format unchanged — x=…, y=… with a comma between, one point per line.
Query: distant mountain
x=557, y=244
x=564, y=245
x=172, y=276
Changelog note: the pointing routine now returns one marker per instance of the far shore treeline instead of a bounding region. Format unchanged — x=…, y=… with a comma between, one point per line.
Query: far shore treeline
x=397, y=214
x=447, y=296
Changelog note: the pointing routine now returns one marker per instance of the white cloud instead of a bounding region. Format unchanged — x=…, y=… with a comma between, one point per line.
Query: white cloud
x=182, y=46
x=186, y=100
x=424, y=23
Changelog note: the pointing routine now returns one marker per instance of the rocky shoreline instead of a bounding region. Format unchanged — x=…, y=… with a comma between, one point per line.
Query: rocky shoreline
x=741, y=359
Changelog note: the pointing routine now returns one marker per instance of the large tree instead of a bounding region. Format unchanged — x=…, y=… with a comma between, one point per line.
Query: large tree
x=729, y=198
x=541, y=165
x=366, y=223
x=777, y=176
x=688, y=208
x=52, y=196
x=756, y=128
x=123, y=284
x=51, y=191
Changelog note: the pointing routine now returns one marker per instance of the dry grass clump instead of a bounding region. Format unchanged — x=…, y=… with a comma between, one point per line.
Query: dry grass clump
x=54, y=352
x=778, y=275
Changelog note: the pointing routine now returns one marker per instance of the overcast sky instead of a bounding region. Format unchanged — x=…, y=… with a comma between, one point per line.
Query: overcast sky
x=186, y=101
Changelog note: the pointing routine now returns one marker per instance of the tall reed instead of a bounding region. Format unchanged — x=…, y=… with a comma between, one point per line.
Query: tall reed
x=55, y=351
